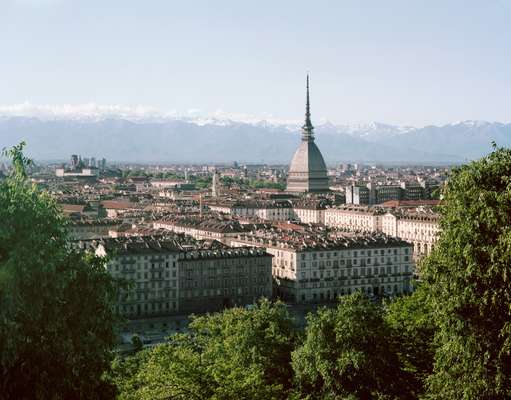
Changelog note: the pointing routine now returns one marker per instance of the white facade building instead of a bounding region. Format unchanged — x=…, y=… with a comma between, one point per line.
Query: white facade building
x=354, y=218
x=420, y=228
x=324, y=270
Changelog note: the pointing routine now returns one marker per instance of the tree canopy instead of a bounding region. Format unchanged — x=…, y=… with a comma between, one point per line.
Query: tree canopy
x=347, y=354
x=237, y=354
x=468, y=279
x=412, y=328
x=56, y=315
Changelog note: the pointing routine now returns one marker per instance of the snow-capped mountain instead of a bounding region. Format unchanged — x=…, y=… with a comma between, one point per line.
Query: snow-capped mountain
x=218, y=139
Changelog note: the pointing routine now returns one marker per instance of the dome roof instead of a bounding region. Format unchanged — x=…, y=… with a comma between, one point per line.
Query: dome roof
x=307, y=159
x=307, y=172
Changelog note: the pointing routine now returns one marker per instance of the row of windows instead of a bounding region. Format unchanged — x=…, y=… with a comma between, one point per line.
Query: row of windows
x=197, y=274
x=155, y=285
x=227, y=282
x=131, y=296
x=355, y=253
x=151, y=307
x=247, y=291
x=222, y=268
x=135, y=257
x=355, y=272
x=336, y=283
x=347, y=263
x=128, y=268
x=332, y=295
x=225, y=262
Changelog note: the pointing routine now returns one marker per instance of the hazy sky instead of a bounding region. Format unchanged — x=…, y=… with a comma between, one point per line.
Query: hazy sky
x=400, y=62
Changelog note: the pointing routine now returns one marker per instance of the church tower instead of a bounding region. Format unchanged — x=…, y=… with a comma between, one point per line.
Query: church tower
x=307, y=172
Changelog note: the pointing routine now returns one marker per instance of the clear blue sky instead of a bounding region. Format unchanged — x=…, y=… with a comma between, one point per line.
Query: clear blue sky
x=403, y=62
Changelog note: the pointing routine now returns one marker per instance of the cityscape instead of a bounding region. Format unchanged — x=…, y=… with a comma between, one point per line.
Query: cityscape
x=147, y=254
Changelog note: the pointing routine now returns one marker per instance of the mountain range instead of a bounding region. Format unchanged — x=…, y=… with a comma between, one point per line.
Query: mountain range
x=188, y=140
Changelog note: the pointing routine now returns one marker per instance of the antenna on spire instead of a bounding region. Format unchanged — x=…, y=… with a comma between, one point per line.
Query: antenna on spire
x=307, y=128
x=308, y=111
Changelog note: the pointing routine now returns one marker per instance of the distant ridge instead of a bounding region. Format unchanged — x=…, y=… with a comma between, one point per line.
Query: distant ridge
x=223, y=140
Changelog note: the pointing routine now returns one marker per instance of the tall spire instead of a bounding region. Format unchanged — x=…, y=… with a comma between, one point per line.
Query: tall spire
x=307, y=128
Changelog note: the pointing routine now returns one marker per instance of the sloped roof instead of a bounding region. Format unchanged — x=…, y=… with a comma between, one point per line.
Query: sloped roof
x=307, y=158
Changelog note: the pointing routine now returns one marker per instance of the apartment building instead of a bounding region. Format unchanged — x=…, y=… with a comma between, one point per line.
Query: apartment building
x=419, y=228
x=266, y=210
x=210, y=280
x=203, y=229
x=310, y=269
x=310, y=211
x=357, y=195
x=177, y=274
x=92, y=228
x=354, y=218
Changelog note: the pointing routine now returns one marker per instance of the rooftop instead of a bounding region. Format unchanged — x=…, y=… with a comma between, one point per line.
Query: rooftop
x=313, y=241
x=165, y=243
x=187, y=247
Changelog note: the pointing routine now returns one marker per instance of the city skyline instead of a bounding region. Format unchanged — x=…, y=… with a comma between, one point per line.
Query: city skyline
x=246, y=61
x=272, y=200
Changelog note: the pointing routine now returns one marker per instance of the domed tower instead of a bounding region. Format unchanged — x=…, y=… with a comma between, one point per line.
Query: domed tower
x=307, y=172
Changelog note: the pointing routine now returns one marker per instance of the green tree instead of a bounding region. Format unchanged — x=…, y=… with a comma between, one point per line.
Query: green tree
x=412, y=324
x=56, y=315
x=265, y=184
x=468, y=277
x=125, y=374
x=347, y=354
x=237, y=354
x=137, y=343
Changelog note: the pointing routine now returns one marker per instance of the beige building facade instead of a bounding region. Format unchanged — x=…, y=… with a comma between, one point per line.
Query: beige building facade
x=420, y=228
x=354, y=218
x=177, y=275
x=323, y=271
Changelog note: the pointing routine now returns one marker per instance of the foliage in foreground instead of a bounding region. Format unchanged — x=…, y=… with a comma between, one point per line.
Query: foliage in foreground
x=56, y=319
x=347, y=352
x=413, y=326
x=237, y=354
x=468, y=279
